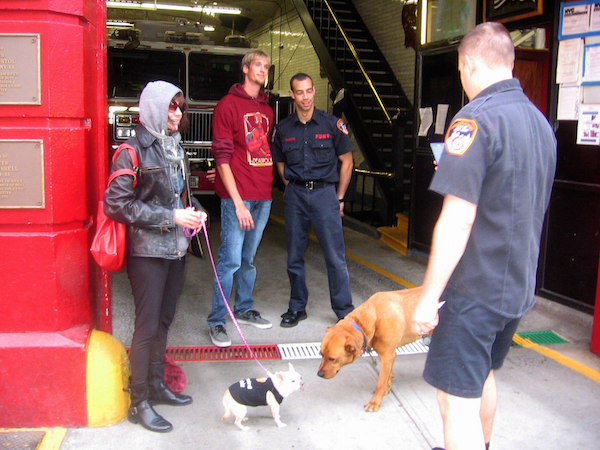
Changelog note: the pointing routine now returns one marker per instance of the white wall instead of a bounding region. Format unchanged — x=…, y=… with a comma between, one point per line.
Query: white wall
x=385, y=25
x=291, y=51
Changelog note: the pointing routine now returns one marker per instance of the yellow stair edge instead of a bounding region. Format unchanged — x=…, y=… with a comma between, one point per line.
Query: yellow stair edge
x=395, y=237
x=402, y=221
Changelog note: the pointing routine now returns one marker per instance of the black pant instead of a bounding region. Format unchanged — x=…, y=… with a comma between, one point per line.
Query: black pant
x=156, y=284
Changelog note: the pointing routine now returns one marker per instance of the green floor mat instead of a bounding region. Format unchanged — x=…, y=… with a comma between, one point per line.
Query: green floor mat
x=542, y=338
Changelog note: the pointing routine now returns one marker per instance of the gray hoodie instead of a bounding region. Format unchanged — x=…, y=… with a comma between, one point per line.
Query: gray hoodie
x=154, y=105
x=154, y=111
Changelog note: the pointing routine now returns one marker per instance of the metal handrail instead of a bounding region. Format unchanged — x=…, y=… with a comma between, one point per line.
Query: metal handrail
x=359, y=62
x=375, y=173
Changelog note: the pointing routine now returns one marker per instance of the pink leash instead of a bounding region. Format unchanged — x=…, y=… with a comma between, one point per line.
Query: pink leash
x=233, y=319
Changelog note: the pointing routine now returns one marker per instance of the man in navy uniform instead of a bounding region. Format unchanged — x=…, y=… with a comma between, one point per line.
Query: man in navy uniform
x=307, y=147
x=496, y=175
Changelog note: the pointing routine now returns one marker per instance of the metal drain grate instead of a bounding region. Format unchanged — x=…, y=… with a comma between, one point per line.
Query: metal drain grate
x=413, y=348
x=300, y=351
x=233, y=353
x=542, y=338
x=313, y=350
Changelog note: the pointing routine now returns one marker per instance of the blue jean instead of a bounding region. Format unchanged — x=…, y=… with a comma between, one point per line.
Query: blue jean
x=321, y=208
x=235, y=265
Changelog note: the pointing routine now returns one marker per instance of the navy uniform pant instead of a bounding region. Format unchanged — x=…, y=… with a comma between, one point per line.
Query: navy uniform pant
x=321, y=208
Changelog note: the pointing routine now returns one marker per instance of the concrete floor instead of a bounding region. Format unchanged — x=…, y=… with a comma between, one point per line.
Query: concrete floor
x=542, y=403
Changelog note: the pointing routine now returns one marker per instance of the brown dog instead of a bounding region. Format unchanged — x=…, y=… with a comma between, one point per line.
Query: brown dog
x=382, y=323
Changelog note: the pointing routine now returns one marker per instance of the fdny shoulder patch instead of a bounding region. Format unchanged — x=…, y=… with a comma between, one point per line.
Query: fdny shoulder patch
x=460, y=136
x=342, y=126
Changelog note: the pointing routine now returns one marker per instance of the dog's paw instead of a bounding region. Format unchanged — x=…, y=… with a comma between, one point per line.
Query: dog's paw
x=281, y=424
x=373, y=405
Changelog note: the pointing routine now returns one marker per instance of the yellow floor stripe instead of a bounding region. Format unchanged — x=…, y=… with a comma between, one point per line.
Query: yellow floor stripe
x=53, y=439
x=364, y=262
x=379, y=270
x=558, y=357
x=277, y=219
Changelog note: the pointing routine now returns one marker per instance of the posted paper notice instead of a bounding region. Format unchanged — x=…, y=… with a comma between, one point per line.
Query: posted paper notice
x=588, y=127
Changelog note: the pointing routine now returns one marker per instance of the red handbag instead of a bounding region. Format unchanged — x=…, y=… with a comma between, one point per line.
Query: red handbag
x=108, y=245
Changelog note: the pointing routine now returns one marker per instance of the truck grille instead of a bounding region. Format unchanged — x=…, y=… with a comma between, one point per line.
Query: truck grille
x=200, y=131
x=198, y=139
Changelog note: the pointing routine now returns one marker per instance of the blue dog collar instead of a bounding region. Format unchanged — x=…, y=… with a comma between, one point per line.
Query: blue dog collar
x=357, y=328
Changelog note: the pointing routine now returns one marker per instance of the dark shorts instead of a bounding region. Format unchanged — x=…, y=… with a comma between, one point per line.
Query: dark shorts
x=469, y=341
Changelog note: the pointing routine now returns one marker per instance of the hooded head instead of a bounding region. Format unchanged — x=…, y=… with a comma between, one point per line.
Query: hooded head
x=154, y=105
x=154, y=116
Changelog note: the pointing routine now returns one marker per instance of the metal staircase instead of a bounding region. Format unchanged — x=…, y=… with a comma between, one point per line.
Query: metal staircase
x=377, y=109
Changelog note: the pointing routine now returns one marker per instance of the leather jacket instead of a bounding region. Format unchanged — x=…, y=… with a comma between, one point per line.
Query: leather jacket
x=149, y=208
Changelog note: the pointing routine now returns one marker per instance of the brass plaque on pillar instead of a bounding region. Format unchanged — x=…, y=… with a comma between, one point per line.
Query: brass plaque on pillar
x=20, y=69
x=22, y=174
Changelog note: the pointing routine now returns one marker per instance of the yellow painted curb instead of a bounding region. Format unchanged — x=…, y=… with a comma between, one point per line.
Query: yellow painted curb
x=558, y=357
x=107, y=374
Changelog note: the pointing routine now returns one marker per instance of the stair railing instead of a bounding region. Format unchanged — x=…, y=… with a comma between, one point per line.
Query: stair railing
x=367, y=205
x=358, y=61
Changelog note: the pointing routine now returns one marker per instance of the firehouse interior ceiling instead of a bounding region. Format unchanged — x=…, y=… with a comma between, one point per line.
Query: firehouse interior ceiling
x=215, y=20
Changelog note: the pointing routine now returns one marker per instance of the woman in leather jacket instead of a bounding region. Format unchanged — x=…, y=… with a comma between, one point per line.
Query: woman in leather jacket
x=156, y=211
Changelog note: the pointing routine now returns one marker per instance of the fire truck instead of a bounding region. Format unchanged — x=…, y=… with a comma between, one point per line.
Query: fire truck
x=204, y=72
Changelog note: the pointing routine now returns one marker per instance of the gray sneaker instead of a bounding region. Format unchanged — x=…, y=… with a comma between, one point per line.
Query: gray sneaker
x=219, y=337
x=253, y=318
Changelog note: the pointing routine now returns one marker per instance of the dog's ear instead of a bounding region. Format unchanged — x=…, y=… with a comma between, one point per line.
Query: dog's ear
x=351, y=346
x=290, y=367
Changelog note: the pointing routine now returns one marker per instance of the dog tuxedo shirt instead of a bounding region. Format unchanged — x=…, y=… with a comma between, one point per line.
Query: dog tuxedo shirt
x=253, y=391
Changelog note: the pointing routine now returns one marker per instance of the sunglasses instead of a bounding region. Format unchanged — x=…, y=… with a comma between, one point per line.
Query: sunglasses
x=174, y=105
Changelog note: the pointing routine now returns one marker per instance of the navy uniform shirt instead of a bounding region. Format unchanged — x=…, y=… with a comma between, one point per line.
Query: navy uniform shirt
x=310, y=151
x=500, y=155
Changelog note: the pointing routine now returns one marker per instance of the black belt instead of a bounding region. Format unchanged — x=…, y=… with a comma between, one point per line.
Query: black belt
x=311, y=184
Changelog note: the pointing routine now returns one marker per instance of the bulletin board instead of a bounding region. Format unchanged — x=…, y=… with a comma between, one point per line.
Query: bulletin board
x=579, y=19
x=578, y=68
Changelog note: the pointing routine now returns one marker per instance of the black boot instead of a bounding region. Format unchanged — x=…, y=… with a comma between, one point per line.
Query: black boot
x=142, y=412
x=160, y=394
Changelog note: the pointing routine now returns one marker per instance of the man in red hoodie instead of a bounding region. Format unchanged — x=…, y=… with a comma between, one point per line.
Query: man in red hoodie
x=242, y=126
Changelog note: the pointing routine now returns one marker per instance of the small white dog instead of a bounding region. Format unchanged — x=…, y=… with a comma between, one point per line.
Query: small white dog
x=260, y=392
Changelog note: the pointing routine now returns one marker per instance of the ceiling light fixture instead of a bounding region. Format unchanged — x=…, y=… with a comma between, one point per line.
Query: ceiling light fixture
x=160, y=6
x=112, y=23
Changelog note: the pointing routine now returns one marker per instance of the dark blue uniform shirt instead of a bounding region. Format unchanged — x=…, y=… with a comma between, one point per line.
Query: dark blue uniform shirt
x=500, y=155
x=310, y=151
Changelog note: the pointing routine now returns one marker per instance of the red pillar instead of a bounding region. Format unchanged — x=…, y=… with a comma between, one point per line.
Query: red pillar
x=51, y=288
x=595, y=346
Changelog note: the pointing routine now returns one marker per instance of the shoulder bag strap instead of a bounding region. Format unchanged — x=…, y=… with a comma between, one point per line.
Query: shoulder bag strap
x=134, y=161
